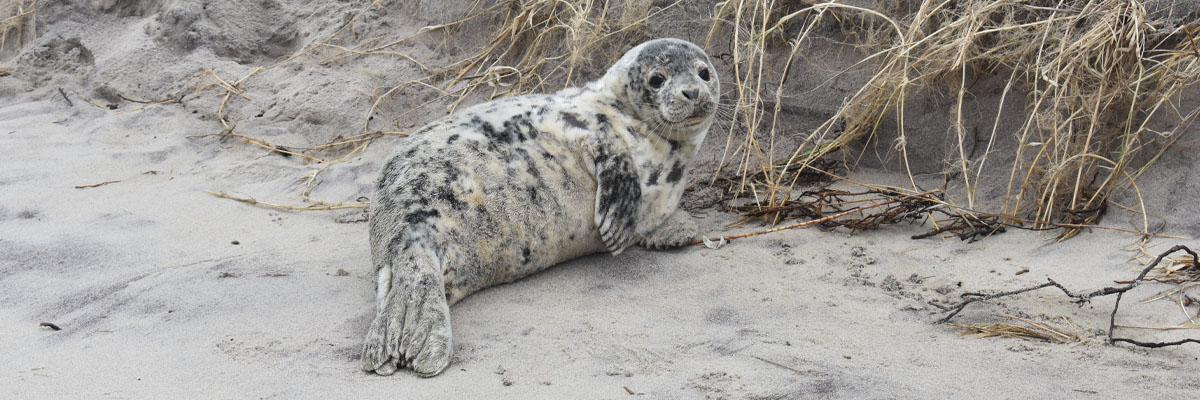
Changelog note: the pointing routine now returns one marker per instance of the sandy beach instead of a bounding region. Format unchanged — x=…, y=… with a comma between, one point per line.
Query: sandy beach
x=163, y=290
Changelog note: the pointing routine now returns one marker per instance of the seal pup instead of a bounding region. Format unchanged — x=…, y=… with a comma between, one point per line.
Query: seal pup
x=510, y=187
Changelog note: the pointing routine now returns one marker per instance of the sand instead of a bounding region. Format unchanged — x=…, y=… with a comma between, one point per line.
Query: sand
x=162, y=290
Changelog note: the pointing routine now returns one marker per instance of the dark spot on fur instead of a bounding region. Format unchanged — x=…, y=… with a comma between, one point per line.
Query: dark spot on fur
x=534, y=197
x=601, y=156
x=674, y=144
x=446, y=194
x=531, y=165
x=521, y=128
x=452, y=138
x=616, y=105
x=391, y=164
x=389, y=173
x=451, y=172
x=648, y=98
x=676, y=172
x=602, y=121
x=400, y=243
x=653, y=178
x=490, y=131
x=516, y=129
x=572, y=119
x=414, y=191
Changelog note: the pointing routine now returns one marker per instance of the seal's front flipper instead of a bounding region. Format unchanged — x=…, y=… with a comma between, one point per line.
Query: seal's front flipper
x=412, y=328
x=618, y=195
x=677, y=230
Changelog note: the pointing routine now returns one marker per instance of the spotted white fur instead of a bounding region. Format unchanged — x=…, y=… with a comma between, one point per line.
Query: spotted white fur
x=507, y=188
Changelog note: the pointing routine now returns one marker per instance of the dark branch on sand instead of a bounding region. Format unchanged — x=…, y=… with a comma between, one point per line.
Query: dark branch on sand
x=1085, y=297
x=64, y=95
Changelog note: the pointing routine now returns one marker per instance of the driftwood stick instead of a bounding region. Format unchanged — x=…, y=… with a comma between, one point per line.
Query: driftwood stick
x=1085, y=297
x=818, y=220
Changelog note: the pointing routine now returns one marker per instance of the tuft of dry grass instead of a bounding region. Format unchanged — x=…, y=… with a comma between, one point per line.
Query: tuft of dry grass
x=17, y=19
x=545, y=45
x=1025, y=329
x=1095, y=74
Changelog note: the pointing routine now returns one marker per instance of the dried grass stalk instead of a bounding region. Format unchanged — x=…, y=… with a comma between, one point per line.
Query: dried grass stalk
x=1025, y=329
x=18, y=21
x=1095, y=74
x=544, y=45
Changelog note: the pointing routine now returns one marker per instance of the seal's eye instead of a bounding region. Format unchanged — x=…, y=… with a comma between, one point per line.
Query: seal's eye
x=704, y=74
x=656, y=81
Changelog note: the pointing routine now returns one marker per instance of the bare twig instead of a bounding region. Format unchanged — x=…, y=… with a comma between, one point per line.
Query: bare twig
x=780, y=365
x=64, y=95
x=1085, y=297
x=261, y=143
x=95, y=185
x=316, y=206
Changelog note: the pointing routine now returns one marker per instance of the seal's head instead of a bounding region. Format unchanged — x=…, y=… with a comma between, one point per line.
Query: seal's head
x=670, y=84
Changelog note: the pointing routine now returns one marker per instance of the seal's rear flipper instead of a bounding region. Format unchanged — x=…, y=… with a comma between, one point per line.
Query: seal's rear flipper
x=412, y=326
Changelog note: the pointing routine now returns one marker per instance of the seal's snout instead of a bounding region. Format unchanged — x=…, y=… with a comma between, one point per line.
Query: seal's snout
x=688, y=104
x=697, y=98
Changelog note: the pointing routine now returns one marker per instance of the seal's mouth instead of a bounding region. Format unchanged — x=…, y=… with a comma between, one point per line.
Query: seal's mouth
x=686, y=122
x=694, y=120
x=686, y=116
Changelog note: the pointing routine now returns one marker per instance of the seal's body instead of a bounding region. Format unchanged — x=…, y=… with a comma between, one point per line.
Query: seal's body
x=507, y=188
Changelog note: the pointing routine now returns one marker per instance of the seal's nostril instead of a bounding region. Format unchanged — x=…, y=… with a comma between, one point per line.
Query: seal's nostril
x=691, y=94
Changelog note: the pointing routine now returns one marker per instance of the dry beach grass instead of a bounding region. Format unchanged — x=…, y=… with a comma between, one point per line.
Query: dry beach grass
x=17, y=17
x=1094, y=76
